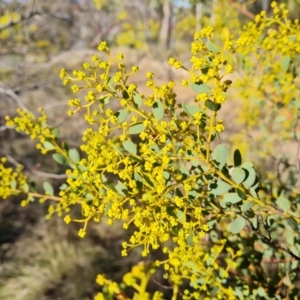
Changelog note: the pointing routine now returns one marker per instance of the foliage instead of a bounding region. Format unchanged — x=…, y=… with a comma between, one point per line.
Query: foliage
x=156, y=165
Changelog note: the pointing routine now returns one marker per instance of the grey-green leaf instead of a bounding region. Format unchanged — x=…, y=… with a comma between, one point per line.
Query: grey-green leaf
x=137, y=99
x=220, y=155
x=74, y=155
x=200, y=88
x=220, y=188
x=238, y=175
x=237, y=225
x=232, y=198
x=130, y=147
x=158, y=110
x=48, y=188
x=136, y=128
x=121, y=188
x=283, y=203
x=59, y=158
x=48, y=146
x=191, y=109
x=250, y=175
x=285, y=63
x=181, y=216
x=246, y=206
x=212, y=47
x=122, y=115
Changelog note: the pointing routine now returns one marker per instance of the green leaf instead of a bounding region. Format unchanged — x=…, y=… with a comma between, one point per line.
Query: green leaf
x=158, y=110
x=117, y=149
x=220, y=155
x=48, y=146
x=191, y=109
x=13, y=184
x=56, y=133
x=293, y=223
x=63, y=187
x=136, y=128
x=246, y=206
x=283, y=203
x=237, y=225
x=110, y=84
x=121, y=188
x=232, y=198
x=200, y=88
x=241, y=193
x=189, y=239
x=74, y=155
x=107, y=207
x=48, y=188
x=122, y=115
x=137, y=99
x=26, y=187
x=285, y=63
x=212, y=47
x=250, y=175
x=147, y=179
x=181, y=216
x=220, y=188
x=184, y=172
x=170, y=211
x=212, y=105
x=237, y=158
x=238, y=175
x=130, y=147
x=59, y=158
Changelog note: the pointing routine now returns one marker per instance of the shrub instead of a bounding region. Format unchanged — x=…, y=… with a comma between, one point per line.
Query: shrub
x=156, y=164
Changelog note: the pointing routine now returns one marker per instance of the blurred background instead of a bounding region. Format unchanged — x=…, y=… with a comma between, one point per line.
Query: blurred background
x=43, y=260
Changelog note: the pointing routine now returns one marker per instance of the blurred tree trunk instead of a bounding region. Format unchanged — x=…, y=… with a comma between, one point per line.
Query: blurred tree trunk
x=166, y=25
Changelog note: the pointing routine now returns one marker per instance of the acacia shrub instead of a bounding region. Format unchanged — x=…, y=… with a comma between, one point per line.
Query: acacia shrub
x=217, y=228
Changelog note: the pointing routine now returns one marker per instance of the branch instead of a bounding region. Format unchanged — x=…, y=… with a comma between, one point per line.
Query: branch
x=242, y=10
x=268, y=240
x=14, y=96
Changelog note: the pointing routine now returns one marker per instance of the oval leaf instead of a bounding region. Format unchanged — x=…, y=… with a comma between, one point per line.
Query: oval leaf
x=212, y=105
x=121, y=188
x=74, y=155
x=283, y=203
x=136, y=128
x=238, y=175
x=232, y=198
x=220, y=188
x=212, y=47
x=48, y=188
x=200, y=88
x=48, y=146
x=237, y=158
x=246, y=206
x=158, y=110
x=250, y=175
x=237, y=225
x=59, y=158
x=130, y=147
x=122, y=115
x=220, y=155
x=137, y=99
x=191, y=109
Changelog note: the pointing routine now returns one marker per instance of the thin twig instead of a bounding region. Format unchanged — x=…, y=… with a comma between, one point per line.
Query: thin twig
x=50, y=175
